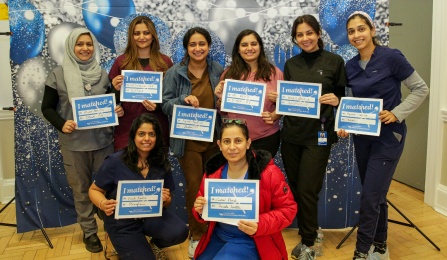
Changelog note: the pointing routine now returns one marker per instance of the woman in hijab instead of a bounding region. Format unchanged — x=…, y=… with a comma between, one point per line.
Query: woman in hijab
x=83, y=151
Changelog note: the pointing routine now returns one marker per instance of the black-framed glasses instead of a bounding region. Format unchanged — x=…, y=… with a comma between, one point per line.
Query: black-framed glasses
x=239, y=121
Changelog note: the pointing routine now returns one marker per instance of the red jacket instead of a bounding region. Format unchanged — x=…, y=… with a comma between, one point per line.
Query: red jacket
x=277, y=208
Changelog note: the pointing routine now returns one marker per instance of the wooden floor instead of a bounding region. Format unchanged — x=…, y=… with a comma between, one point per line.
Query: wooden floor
x=404, y=242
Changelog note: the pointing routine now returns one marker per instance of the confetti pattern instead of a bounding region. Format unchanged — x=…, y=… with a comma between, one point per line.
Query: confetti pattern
x=43, y=196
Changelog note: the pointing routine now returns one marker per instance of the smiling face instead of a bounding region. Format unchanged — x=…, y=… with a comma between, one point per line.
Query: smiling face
x=84, y=48
x=249, y=48
x=145, y=138
x=360, y=34
x=198, y=48
x=142, y=36
x=234, y=144
x=307, y=38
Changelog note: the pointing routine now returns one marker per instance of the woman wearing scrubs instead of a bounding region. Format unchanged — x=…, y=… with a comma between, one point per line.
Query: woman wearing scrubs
x=377, y=72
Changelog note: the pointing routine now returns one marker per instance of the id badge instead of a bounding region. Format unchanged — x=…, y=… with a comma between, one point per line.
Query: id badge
x=322, y=137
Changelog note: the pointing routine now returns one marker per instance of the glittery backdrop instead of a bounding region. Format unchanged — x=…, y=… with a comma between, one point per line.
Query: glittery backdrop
x=40, y=27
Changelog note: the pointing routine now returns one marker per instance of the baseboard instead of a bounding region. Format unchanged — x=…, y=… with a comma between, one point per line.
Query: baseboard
x=7, y=190
x=441, y=200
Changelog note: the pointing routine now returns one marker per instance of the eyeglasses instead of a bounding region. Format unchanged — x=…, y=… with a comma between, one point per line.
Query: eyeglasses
x=239, y=121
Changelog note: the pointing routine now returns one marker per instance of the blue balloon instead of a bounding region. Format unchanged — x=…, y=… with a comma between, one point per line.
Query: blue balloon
x=28, y=31
x=102, y=16
x=217, y=50
x=334, y=14
x=281, y=56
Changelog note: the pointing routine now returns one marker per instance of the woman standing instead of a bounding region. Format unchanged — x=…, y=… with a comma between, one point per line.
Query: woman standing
x=83, y=151
x=143, y=159
x=142, y=53
x=305, y=159
x=277, y=209
x=249, y=63
x=377, y=72
x=192, y=83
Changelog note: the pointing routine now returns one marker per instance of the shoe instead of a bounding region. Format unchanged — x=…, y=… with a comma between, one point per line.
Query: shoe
x=359, y=255
x=379, y=251
x=318, y=244
x=158, y=252
x=192, y=247
x=303, y=252
x=92, y=243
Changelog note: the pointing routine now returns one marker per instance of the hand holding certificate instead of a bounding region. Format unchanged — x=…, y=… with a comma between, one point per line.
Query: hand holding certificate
x=359, y=115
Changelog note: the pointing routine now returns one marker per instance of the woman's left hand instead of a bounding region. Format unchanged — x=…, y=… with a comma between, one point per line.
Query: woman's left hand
x=149, y=105
x=248, y=227
x=270, y=117
x=119, y=110
x=329, y=99
x=166, y=195
x=387, y=117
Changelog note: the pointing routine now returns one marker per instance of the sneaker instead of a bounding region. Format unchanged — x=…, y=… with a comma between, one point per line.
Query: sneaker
x=92, y=243
x=379, y=251
x=192, y=247
x=318, y=245
x=158, y=252
x=359, y=255
x=303, y=252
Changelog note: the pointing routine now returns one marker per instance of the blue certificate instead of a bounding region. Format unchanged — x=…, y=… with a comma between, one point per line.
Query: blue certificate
x=229, y=200
x=193, y=123
x=139, y=199
x=359, y=115
x=243, y=97
x=94, y=111
x=298, y=99
x=140, y=85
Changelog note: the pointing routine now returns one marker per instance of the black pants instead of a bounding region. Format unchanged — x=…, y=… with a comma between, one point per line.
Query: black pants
x=305, y=168
x=269, y=143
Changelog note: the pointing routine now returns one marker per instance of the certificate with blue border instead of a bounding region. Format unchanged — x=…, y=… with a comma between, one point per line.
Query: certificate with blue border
x=359, y=115
x=139, y=199
x=243, y=97
x=193, y=123
x=94, y=111
x=298, y=99
x=140, y=85
x=230, y=200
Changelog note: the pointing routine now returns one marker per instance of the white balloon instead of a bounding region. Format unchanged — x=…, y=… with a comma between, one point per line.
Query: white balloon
x=56, y=40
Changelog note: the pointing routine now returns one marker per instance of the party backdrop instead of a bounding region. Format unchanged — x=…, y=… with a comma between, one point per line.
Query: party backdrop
x=40, y=27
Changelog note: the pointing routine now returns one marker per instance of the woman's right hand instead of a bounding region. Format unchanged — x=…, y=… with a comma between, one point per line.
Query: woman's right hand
x=219, y=89
x=117, y=82
x=192, y=100
x=69, y=127
x=199, y=203
x=342, y=133
x=108, y=206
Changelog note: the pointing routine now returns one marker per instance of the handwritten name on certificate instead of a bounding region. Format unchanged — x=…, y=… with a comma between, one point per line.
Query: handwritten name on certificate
x=94, y=111
x=140, y=85
x=298, y=99
x=139, y=199
x=359, y=115
x=193, y=123
x=243, y=97
x=228, y=201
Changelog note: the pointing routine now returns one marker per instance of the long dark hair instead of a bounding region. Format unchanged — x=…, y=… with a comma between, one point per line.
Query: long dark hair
x=188, y=35
x=157, y=156
x=131, y=61
x=367, y=20
x=312, y=22
x=239, y=69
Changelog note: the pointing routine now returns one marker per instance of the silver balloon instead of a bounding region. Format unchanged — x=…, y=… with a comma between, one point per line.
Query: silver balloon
x=30, y=82
x=229, y=17
x=56, y=40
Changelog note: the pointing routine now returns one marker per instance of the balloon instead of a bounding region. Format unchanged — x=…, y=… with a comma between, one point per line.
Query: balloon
x=281, y=55
x=334, y=14
x=30, y=80
x=217, y=50
x=56, y=40
x=230, y=17
x=28, y=31
x=120, y=35
x=102, y=16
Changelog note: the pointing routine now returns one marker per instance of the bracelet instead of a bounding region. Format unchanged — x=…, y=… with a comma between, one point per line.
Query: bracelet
x=101, y=203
